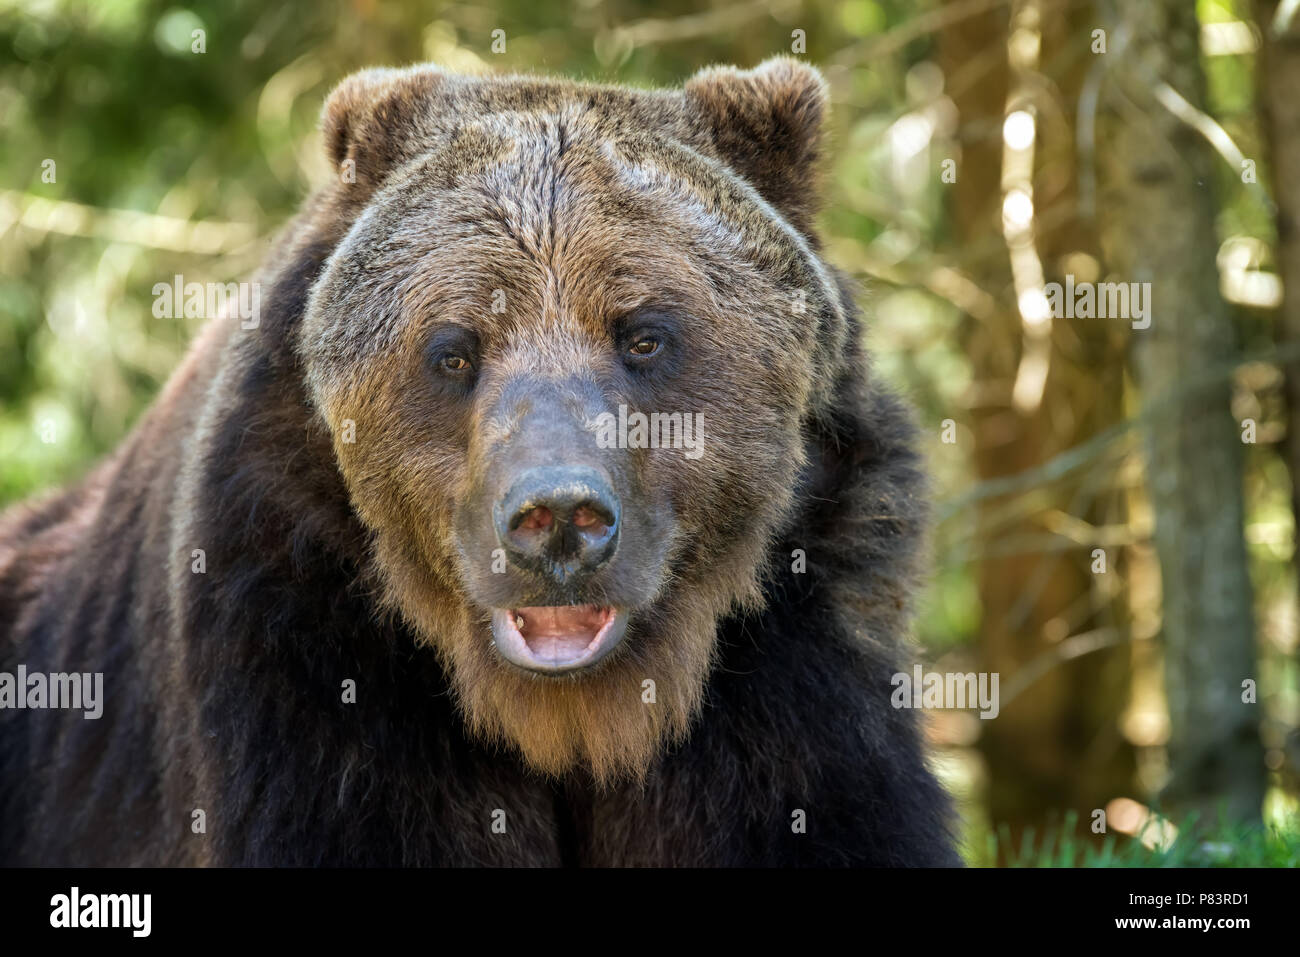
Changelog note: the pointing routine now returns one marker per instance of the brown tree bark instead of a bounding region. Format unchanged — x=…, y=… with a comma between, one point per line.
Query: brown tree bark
x=1157, y=213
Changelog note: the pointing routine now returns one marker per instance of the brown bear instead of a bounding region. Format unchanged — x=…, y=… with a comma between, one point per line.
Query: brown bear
x=549, y=514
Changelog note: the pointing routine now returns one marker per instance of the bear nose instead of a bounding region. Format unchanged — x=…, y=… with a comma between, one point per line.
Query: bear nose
x=558, y=520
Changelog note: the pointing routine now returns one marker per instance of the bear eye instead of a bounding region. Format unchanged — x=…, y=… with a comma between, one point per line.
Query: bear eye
x=645, y=346
x=648, y=339
x=453, y=353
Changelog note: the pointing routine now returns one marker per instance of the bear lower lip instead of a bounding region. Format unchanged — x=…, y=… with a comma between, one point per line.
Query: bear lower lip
x=558, y=638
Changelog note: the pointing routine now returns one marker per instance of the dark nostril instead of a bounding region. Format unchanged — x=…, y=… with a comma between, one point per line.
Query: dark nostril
x=534, y=519
x=559, y=519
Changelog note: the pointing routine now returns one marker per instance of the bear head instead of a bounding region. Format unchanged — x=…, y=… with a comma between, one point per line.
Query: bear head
x=569, y=346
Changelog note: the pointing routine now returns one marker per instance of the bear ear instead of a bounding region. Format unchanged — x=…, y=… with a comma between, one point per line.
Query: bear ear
x=766, y=124
x=372, y=117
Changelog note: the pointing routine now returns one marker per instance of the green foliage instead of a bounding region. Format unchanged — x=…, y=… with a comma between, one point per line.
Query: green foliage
x=1226, y=844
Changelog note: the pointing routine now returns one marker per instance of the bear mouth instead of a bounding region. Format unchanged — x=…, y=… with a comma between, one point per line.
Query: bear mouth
x=557, y=639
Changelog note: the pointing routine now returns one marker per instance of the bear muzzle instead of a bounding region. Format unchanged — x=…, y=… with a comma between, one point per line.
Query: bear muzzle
x=559, y=522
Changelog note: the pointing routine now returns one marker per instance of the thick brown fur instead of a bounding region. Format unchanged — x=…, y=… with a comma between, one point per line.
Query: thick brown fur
x=335, y=487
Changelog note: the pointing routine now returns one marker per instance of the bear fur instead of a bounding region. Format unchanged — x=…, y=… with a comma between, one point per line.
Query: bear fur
x=333, y=484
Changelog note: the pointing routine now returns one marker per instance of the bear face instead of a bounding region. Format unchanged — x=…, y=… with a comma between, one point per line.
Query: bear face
x=532, y=271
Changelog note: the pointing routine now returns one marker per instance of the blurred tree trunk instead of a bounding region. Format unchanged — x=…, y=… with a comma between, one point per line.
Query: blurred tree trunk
x=1278, y=80
x=1157, y=215
x=1056, y=746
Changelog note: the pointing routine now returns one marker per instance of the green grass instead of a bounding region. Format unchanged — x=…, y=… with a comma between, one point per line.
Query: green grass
x=1226, y=844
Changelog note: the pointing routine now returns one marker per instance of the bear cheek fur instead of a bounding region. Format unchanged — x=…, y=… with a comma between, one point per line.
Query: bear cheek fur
x=384, y=445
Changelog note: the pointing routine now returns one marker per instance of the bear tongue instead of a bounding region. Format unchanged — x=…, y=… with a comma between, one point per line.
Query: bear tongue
x=561, y=631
